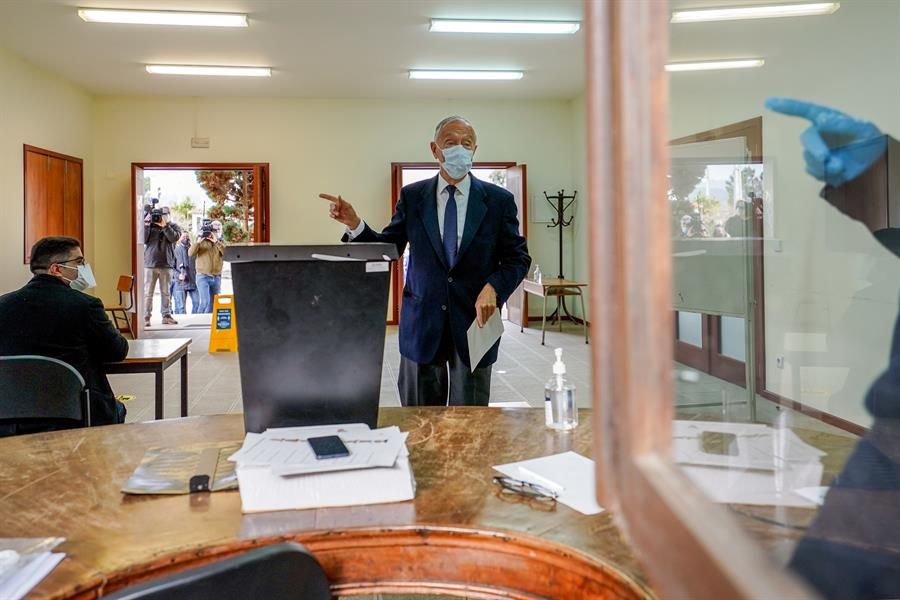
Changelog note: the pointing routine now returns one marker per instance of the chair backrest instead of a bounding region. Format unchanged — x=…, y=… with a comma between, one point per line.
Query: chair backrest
x=39, y=389
x=275, y=572
x=126, y=286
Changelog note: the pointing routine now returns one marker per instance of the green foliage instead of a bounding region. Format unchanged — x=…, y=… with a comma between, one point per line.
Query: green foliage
x=232, y=195
x=184, y=209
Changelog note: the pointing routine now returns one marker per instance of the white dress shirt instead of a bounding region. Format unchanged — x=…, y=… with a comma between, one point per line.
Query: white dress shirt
x=443, y=195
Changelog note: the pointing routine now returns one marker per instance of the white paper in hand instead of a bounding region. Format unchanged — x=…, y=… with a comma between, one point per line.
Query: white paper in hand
x=481, y=339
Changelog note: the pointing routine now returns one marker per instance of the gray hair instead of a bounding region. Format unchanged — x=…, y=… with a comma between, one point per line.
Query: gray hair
x=440, y=125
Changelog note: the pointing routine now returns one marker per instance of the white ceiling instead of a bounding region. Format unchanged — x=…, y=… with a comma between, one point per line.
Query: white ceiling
x=317, y=48
x=348, y=48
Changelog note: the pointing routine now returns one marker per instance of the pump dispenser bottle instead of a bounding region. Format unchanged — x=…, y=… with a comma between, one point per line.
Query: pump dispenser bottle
x=560, y=409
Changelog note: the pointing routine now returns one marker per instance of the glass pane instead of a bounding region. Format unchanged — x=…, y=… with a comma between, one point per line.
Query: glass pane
x=733, y=338
x=690, y=328
x=785, y=217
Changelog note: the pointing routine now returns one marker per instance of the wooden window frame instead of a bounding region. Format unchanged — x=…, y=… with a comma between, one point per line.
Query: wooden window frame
x=26, y=148
x=691, y=547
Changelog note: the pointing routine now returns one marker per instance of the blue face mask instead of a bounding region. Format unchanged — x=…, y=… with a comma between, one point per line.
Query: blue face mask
x=457, y=161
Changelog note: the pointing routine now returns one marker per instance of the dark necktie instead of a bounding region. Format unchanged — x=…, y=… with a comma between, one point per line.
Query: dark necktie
x=450, y=227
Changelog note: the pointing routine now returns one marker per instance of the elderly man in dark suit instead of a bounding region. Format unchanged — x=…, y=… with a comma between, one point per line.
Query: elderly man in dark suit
x=51, y=316
x=467, y=257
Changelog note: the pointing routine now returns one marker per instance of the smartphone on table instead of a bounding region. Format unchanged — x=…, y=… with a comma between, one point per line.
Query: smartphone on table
x=328, y=446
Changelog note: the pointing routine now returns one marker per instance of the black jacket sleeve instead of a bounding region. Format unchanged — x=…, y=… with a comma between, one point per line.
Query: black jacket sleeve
x=104, y=341
x=394, y=233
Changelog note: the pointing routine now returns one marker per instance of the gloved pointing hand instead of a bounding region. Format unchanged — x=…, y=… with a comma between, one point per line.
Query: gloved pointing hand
x=837, y=147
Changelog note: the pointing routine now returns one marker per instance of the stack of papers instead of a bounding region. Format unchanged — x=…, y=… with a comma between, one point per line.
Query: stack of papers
x=749, y=463
x=277, y=469
x=24, y=562
x=570, y=475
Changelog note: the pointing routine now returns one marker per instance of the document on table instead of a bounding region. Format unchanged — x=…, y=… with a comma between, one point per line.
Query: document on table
x=291, y=454
x=24, y=562
x=481, y=339
x=569, y=474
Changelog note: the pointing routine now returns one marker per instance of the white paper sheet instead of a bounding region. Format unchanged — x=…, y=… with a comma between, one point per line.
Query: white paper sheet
x=252, y=439
x=765, y=488
x=481, y=339
x=287, y=451
x=569, y=474
x=28, y=573
x=758, y=446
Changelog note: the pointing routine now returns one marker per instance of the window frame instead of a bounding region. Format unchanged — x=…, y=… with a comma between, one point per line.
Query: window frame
x=677, y=533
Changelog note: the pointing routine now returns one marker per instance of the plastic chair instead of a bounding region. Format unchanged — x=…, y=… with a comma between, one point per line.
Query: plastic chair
x=125, y=286
x=39, y=393
x=276, y=572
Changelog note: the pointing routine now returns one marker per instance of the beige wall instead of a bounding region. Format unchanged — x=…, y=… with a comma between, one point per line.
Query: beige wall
x=39, y=109
x=337, y=146
x=831, y=291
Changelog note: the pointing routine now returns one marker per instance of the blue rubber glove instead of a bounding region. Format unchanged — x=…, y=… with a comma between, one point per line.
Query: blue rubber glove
x=837, y=148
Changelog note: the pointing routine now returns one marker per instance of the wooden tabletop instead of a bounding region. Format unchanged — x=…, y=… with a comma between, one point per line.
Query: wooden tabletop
x=155, y=350
x=68, y=484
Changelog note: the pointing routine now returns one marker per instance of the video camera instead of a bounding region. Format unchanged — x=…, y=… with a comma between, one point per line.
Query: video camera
x=154, y=211
x=206, y=229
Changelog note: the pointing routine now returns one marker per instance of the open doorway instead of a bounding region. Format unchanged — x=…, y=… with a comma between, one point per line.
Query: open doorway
x=230, y=198
x=508, y=175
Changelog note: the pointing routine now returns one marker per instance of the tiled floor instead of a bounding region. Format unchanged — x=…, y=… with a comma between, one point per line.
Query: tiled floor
x=519, y=376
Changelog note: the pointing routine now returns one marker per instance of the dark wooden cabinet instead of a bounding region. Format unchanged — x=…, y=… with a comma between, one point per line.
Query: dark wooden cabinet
x=54, y=200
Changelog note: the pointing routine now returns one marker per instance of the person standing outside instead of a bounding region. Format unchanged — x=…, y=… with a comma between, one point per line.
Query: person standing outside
x=185, y=277
x=160, y=237
x=209, y=252
x=467, y=257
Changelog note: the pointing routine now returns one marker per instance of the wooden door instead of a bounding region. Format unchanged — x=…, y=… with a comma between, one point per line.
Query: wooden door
x=56, y=190
x=35, y=199
x=137, y=257
x=516, y=182
x=73, y=213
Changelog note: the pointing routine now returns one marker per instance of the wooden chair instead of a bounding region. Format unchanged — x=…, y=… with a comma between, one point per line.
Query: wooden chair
x=125, y=286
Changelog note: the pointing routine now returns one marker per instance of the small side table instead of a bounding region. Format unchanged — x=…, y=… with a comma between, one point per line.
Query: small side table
x=559, y=288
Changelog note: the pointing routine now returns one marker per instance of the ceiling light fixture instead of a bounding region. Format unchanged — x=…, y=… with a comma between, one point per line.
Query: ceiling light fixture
x=459, y=75
x=207, y=70
x=162, y=17
x=715, y=65
x=483, y=26
x=755, y=12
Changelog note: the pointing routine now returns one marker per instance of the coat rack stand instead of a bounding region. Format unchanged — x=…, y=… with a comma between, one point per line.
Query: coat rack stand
x=561, y=203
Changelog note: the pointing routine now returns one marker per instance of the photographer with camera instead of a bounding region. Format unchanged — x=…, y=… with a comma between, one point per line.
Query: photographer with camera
x=209, y=250
x=160, y=237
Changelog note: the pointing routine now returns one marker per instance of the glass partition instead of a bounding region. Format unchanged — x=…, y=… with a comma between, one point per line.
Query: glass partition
x=784, y=209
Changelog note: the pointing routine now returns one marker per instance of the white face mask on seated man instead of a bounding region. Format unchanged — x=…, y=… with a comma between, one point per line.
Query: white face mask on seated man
x=84, y=279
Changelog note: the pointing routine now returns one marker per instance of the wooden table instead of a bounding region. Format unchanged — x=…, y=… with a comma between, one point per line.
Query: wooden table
x=458, y=535
x=155, y=356
x=559, y=288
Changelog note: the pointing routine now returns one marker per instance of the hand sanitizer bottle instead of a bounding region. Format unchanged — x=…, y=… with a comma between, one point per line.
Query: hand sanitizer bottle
x=560, y=410
x=537, y=273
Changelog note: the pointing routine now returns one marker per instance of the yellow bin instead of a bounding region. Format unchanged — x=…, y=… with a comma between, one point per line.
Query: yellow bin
x=223, y=335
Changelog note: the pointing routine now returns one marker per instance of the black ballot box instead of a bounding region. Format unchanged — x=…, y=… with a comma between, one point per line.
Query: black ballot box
x=311, y=329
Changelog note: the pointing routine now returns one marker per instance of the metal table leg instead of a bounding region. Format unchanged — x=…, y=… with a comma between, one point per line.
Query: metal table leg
x=160, y=389
x=583, y=315
x=184, y=385
x=544, y=321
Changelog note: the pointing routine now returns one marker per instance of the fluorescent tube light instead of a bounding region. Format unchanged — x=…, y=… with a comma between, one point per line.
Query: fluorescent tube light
x=475, y=75
x=755, y=12
x=205, y=70
x=162, y=17
x=479, y=26
x=715, y=65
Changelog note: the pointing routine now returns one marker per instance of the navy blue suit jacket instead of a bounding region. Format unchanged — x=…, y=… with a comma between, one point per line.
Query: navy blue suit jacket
x=491, y=251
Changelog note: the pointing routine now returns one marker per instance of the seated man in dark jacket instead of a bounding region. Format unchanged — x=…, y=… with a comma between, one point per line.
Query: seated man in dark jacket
x=50, y=316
